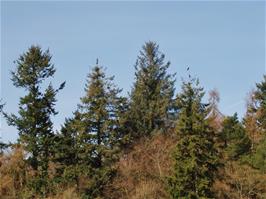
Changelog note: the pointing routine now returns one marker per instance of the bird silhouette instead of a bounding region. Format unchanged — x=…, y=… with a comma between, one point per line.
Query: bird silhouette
x=97, y=61
x=187, y=68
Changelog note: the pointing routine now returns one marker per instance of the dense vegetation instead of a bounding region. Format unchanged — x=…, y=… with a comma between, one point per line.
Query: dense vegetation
x=152, y=144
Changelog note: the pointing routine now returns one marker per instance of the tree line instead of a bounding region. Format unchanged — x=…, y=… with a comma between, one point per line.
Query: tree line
x=105, y=126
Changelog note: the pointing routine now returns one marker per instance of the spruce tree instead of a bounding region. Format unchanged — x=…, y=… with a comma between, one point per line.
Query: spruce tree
x=90, y=142
x=152, y=93
x=100, y=115
x=33, y=122
x=257, y=159
x=100, y=109
x=236, y=141
x=195, y=157
x=260, y=108
x=66, y=152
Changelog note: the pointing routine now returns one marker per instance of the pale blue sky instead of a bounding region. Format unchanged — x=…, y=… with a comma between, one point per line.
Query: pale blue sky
x=222, y=42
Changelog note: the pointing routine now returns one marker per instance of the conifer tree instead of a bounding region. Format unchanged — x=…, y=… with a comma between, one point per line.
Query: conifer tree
x=257, y=159
x=66, y=152
x=99, y=110
x=236, y=142
x=195, y=156
x=94, y=136
x=152, y=93
x=33, y=122
x=260, y=98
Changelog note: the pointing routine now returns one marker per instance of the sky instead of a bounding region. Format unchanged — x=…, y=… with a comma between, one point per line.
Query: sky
x=223, y=43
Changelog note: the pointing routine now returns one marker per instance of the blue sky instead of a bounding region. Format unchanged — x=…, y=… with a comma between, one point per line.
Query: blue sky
x=222, y=42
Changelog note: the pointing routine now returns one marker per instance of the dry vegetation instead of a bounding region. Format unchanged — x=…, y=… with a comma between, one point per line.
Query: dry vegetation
x=141, y=174
x=143, y=171
x=119, y=148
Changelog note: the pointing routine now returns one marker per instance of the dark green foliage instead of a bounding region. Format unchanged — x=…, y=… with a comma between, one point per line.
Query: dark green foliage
x=259, y=156
x=151, y=96
x=260, y=97
x=35, y=110
x=195, y=156
x=66, y=152
x=101, y=110
x=101, y=135
x=89, y=143
x=236, y=142
x=257, y=159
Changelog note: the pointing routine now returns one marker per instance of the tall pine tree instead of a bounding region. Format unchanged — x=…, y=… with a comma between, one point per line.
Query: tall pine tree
x=33, y=122
x=100, y=114
x=195, y=156
x=90, y=142
x=151, y=96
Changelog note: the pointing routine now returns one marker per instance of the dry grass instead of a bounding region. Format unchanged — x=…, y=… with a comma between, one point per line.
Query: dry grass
x=69, y=193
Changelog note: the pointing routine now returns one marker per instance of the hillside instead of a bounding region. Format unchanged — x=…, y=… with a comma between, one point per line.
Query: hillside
x=153, y=144
x=142, y=172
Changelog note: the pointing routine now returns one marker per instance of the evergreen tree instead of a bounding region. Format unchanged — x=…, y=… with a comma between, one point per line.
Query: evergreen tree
x=260, y=108
x=236, y=142
x=33, y=122
x=66, y=152
x=89, y=143
x=257, y=159
x=99, y=110
x=195, y=156
x=151, y=96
